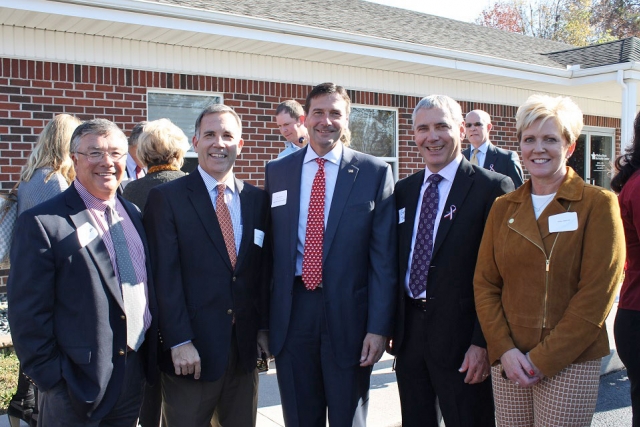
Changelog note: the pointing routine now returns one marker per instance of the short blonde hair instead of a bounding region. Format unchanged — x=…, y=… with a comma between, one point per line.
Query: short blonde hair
x=561, y=109
x=162, y=143
x=52, y=149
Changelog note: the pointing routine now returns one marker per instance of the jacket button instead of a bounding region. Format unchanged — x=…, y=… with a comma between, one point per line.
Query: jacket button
x=229, y=311
x=121, y=352
x=122, y=317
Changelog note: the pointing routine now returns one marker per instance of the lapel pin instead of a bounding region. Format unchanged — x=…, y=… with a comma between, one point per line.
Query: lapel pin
x=350, y=170
x=452, y=210
x=491, y=168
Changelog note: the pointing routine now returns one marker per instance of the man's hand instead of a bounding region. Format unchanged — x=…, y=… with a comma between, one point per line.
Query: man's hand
x=518, y=369
x=475, y=364
x=372, y=349
x=263, y=343
x=186, y=360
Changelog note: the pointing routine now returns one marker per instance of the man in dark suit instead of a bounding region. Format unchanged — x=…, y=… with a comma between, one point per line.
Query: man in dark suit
x=440, y=349
x=334, y=270
x=484, y=154
x=79, y=294
x=207, y=238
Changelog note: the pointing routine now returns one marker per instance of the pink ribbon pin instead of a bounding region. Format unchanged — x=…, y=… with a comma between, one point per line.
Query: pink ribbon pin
x=452, y=210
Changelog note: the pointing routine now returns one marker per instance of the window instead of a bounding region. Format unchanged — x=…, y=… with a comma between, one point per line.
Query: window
x=374, y=130
x=182, y=108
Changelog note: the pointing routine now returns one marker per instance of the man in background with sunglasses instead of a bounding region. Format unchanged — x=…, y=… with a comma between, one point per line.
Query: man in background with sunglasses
x=483, y=153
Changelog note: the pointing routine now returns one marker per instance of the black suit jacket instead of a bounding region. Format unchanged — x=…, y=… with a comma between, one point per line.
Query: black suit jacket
x=452, y=322
x=502, y=161
x=65, y=305
x=199, y=293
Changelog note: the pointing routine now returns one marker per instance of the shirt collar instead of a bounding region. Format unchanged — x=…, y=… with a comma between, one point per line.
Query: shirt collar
x=332, y=156
x=91, y=201
x=448, y=172
x=211, y=183
x=291, y=145
x=483, y=148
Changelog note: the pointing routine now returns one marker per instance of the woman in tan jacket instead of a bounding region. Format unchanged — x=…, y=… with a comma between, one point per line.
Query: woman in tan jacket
x=549, y=265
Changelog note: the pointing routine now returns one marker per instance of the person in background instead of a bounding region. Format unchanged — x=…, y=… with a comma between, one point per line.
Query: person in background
x=135, y=168
x=627, y=323
x=48, y=172
x=484, y=154
x=290, y=119
x=161, y=149
x=549, y=265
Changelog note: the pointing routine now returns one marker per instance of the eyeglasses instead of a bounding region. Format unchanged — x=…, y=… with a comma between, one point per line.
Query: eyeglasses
x=477, y=124
x=96, y=156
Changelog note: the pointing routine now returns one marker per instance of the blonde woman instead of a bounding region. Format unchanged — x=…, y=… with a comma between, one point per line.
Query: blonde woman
x=161, y=148
x=548, y=268
x=48, y=172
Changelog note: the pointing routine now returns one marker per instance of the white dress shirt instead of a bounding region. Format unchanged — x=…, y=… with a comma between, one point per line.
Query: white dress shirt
x=448, y=173
x=309, y=169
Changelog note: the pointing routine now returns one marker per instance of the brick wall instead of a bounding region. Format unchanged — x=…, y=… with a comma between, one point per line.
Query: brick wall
x=32, y=92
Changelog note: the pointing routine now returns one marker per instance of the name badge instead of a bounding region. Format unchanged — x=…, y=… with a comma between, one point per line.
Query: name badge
x=258, y=237
x=279, y=199
x=86, y=233
x=401, y=215
x=567, y=221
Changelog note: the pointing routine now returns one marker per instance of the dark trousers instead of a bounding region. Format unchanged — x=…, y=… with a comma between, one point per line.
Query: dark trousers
x=421, y=379
x=627, y=334
x=151, y=405
x=310, y=380
x=57, y=410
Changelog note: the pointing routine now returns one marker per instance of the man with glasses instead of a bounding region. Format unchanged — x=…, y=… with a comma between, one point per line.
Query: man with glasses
x=81, y=265
x=484, y=154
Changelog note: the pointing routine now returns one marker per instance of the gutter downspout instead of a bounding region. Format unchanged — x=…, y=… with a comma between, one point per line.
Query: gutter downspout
x=629, y=102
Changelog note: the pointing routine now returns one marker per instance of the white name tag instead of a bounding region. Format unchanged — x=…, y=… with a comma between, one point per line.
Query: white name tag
x=279, y=199
x=567, y=221
x=86, y=233
x=401, y=214
x=258, y=237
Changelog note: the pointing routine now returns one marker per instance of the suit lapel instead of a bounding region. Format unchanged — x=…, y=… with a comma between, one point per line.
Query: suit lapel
x=80, y=215
x=246, y=209
x=412, y=194
x=467, y=152
x=201, y=201
x=457, y=195
x=491, y=158
x=292, y=186
x=347, y=175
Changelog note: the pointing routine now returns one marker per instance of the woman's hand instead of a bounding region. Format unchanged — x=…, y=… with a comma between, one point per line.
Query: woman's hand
x=518, y=368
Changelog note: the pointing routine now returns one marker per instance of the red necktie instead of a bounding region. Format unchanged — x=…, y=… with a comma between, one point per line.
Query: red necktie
x=312, y=258
x=139, y=172
x=224, y=218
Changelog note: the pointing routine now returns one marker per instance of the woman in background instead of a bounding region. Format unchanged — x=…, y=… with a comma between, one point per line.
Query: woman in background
x=548, y=268
x=48, y=172
x=161, y=148
x=627, y=324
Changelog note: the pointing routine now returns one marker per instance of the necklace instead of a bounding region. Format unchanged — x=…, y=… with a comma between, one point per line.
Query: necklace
x=541, y=202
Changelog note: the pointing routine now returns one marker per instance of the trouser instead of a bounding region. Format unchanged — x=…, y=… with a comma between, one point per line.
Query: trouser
x=627, y=334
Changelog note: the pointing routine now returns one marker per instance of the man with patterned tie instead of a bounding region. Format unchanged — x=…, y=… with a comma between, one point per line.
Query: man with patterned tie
x=210, y=262
x=81, y=264
x=439, y=346
x=334, y=269
x=483, y=153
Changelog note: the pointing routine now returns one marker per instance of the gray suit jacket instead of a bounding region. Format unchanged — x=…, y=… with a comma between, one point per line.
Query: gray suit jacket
x=359, y=256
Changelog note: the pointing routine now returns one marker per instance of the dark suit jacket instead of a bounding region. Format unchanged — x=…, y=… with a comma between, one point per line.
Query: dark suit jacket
x=198, y=292
x=137, y=191
x=452, y=323
x=502, y=161
x=65, y=305
x=359, y=259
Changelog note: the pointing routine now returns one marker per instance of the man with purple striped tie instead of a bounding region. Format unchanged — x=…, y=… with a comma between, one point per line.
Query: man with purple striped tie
x=82, y=308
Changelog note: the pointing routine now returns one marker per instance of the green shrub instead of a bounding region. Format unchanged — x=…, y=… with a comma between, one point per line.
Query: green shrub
x=8, y=377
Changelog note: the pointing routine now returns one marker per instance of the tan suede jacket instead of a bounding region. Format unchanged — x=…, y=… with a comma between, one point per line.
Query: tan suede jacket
x=550, y=293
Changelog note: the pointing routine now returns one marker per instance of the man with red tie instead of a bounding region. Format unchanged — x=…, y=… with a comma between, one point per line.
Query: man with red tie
x=334, y=269
x=208, y=251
